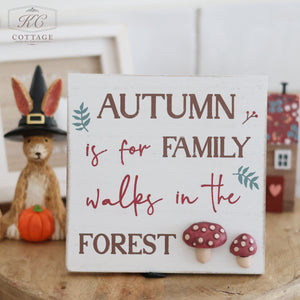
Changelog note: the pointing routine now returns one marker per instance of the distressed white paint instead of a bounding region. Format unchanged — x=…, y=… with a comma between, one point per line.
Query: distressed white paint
x=58, y=233
x=36, y=189
x=162, y=177
x=13, y=232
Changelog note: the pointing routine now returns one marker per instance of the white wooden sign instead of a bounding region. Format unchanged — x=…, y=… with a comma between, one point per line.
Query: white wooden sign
x=164, y=174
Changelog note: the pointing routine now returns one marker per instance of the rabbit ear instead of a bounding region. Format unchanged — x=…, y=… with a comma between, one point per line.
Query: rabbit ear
x=23, y=99
x=51, y=98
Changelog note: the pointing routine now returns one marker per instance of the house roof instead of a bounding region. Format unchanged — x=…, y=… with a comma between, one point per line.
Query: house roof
x=283, y=119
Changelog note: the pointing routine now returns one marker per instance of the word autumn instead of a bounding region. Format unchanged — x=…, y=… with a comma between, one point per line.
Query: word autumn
x=191, y=106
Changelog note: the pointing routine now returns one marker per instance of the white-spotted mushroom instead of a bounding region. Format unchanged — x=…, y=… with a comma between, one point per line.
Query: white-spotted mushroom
x=243, y=247
x=204, y=236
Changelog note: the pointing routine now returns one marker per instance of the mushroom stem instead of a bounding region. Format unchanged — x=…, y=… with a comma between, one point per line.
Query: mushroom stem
x=203, y=255
x=244, y=262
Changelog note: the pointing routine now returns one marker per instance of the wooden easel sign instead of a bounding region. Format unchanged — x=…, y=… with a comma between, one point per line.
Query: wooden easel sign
x=166, y=174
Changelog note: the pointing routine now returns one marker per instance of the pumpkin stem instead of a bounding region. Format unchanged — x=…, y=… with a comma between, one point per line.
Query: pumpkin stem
x=37, y=208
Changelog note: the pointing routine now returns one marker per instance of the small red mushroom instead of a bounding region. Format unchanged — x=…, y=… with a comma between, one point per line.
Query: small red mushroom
x=204, y=236
x=243, y=247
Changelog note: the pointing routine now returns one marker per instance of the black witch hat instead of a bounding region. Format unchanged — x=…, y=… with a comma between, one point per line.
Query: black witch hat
x=37, y=108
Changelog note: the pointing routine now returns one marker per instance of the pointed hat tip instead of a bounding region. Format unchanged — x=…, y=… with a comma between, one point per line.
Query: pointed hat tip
x=38, y=88
x=38, y=69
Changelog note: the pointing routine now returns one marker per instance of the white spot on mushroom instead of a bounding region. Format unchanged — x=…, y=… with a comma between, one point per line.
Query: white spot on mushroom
x=222, y=230
x=251, y=241
x=210, y=243
x=251, y=249
x=216, y=236
x=200, y=240
x=203, y=229
x=187, y=237
x=244, y=237
x=212, y=227
x=195, y=227
x=235, y=242
x=194, y=244
x=243, y=244
x=236, y=249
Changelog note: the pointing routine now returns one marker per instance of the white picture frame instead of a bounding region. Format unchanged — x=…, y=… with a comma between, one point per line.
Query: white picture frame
x=108, y=41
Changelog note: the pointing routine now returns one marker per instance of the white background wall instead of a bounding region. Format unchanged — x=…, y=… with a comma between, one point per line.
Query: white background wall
x=162, y=35
x=262, y=37
x=253, y=39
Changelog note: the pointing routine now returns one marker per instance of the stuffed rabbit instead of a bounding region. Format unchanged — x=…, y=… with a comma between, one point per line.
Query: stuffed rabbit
x=37, y=183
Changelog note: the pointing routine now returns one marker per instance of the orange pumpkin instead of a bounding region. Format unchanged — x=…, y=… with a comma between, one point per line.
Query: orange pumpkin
x=36, y=224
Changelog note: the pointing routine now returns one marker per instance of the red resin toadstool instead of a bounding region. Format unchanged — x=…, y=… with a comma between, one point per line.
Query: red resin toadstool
x=243, y=247
x=204, y=236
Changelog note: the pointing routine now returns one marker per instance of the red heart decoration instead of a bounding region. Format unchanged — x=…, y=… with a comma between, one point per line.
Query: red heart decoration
x=275, y=189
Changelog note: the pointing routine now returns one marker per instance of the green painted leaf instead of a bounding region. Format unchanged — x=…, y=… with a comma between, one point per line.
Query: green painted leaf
x=245, y=170
x=87, y=122
x=85, y=116
x=84, y=110
x=240, y=178
x=245, y=179
x=250, y=174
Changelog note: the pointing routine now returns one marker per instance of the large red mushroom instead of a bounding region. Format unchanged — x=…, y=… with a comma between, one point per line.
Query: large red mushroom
x=204, y=236
x=243, y=247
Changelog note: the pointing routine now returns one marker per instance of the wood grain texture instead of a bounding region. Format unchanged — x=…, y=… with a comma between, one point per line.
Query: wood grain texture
x=37, y=271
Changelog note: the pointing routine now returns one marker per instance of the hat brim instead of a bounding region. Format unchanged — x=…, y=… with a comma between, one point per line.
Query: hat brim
x=23, y=131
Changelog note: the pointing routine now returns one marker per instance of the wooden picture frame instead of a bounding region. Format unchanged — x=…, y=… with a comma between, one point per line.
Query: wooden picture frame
x=101, y=48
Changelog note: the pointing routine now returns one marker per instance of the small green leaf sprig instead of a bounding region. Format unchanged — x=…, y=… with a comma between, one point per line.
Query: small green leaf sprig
x=246, y=179
x=82, y=117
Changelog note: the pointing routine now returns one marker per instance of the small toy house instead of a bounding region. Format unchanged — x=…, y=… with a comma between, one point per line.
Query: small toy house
x=282, y=143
